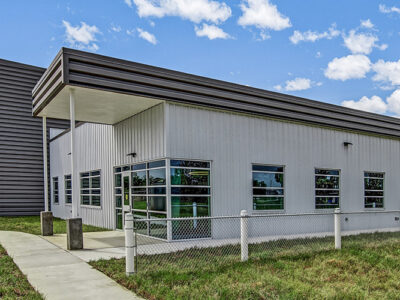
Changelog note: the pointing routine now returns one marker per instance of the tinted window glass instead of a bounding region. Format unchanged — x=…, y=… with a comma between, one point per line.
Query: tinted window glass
x=190, y=164
x=190, y=177
x=157, y=177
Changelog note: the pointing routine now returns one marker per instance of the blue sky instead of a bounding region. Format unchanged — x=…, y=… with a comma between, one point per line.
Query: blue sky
x=344, y=52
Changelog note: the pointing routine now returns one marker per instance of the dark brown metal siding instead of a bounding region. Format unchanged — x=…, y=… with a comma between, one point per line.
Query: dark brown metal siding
x=78, y=68
x=21, y=156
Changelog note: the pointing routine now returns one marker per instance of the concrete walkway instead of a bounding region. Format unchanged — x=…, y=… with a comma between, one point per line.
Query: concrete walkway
x=56, y=273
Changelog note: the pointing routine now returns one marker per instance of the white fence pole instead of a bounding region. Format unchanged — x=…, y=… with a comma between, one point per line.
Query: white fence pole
x=244, y=243
x=338, y=234
x=129, y=245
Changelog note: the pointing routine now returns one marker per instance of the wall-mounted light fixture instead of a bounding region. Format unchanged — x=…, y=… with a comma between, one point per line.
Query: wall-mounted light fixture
x=346, y=144
x=133, y=154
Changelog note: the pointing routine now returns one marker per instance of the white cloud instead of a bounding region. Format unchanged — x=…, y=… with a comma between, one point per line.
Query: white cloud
x=128, y=2
x=264, y=36
x=382, y=47
x=348, y=67
x=115, y=28
x=367, y=24
x=312, y=36
x=147, y=36
x=81, y=37
x=211, y=31
x=361, y=42
x=374, y=104
x=193, y=10
x=297, y=84
x=262, y=14
x=130, y=32
x=387, y=71
x=387, y=10
x=394, y=102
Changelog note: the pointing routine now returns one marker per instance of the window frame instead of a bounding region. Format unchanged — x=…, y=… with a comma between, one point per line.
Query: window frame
x=67, y=189
x=319, y=196
x=90, y=188
x=209, y=195
x=53, y=190
x=383, y=190
x=147, y=187
x=264, y=211
x=117, y=191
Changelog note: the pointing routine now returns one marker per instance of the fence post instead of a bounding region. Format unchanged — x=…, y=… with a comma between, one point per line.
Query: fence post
x=129, y=245
x=244, y=245
x=338, y=235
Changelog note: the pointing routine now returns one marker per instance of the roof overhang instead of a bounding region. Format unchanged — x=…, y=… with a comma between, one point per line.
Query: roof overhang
x=110, y=89
x=51, y=98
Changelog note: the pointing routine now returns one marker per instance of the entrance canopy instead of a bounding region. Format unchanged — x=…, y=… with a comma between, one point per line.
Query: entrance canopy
x=96, y=106
x=69, y=72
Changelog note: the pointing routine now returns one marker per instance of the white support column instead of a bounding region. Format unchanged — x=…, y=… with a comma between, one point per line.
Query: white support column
x=338, y=234
x=74, y=179
x=169, y=207
x=45, y=166
x=244, y=235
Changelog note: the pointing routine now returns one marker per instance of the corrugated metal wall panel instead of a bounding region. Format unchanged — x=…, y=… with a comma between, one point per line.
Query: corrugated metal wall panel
x=21, y=158
x=233, y=142
x=143, y=134
x=94, y=144
x=103, y=147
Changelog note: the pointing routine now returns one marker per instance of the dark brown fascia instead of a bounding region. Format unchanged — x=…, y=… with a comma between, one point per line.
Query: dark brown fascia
x=78, y=68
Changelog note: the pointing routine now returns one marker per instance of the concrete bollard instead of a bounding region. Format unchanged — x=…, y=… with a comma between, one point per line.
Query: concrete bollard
x=130, y=247
x=74, y=234
x=338, y=234
x=244, y=243
x=46, y=223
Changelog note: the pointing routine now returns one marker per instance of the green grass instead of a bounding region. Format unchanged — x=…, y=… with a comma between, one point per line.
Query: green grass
x=31, y=224
x=367, y=267
x=13, y=284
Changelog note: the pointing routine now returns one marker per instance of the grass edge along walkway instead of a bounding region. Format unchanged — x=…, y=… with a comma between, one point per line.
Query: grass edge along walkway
x=14, y=284
x=31, y=224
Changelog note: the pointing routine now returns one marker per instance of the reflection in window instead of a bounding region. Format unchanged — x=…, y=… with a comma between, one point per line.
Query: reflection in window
x=268, y=189
x=139, y=178
x=68, y=189
x=190, y=197
x=190, y=177
x=157, y=176
x=90, y=188
x=327, y=188
x=190, y=189
x=373, y=189
x=55, y=190
x=149, y=199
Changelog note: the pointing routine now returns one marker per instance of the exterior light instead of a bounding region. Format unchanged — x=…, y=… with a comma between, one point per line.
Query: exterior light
x=346, y=144
x=133, y=154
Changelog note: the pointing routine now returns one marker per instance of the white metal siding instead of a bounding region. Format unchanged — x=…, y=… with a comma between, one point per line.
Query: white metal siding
x=233, y=142
x=142, y=134
x=103, y=147
x=94, y=152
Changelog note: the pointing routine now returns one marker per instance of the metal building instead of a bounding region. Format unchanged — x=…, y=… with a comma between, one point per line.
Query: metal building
x=161, y=143
x=21, y=155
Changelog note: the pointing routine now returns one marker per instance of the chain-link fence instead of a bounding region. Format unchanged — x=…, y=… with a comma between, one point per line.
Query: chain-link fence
x=216, y=241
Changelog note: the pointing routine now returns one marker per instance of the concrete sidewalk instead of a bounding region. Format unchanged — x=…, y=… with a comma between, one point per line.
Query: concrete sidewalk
x=56, y=273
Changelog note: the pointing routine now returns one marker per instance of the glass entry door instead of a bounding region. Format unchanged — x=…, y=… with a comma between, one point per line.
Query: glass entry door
x=126, y=187
x=123, y=198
